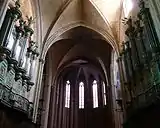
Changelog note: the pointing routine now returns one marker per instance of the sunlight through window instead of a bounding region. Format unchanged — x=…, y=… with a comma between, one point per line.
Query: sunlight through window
x=81, y=95
x=104, y=94
x=127, y=6
x=67, y=98
x=95, y=94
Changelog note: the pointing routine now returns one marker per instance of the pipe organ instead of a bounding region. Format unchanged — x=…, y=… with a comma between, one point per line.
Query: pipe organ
x=140, y=58
x=79, y=99
x=18, y=54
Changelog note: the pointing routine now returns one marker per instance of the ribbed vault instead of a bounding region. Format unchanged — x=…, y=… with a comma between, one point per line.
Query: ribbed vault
x=103, y=15
x=77, y=43
x=53, y=15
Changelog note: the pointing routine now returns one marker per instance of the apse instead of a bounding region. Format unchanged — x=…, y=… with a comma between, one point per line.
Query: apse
x=80, y=97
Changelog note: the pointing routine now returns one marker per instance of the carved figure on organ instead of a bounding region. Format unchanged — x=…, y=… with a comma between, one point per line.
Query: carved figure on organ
x=30, y=20
x=17, y=4
x=32, y=45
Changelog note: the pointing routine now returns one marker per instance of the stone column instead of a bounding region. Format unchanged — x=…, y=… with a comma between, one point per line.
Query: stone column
x=38, y=89
x=90, y=101
x=61, y=105
x=65, y=110
x=100, y=93
x=119, y=61
x=57, y=109
x=73, y=102
x=53, y=101
x=76, y=104
x=71, y=121
x=47, y=101
x=47, y=93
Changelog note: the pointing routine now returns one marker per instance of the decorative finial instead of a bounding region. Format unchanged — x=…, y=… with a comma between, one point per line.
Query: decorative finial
x=129, y=21
x=32, y=44
x=36, y=50
x=21, y=22
x=17, y=4
x=137, y=23
x=30, y=20
x=141, y=4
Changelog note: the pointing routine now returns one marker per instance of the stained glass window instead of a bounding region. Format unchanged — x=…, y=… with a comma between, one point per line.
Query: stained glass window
x=67, y=98
x=95, y=94
x=104, y=94
x=81, y=95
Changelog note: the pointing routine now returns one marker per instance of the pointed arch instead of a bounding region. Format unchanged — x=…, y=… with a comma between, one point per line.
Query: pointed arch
x=63, y=27
x=67, y=94
x=95, y=94
x=81, y=95
x=70, y=26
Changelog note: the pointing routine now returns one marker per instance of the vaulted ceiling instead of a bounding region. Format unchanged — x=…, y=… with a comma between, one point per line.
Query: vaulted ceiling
x=101, y=14
x=57, y=15
x=66, y=50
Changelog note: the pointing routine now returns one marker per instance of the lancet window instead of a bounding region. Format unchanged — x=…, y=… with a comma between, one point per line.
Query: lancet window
x=95, y=94
x=104, y=94
x=81, y=95
x=67, y=98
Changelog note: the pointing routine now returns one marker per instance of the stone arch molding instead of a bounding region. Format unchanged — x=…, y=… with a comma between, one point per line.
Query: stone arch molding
x=52, y=39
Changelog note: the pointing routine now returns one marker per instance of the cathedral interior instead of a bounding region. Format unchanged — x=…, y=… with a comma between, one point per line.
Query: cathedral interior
x=79, y=63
